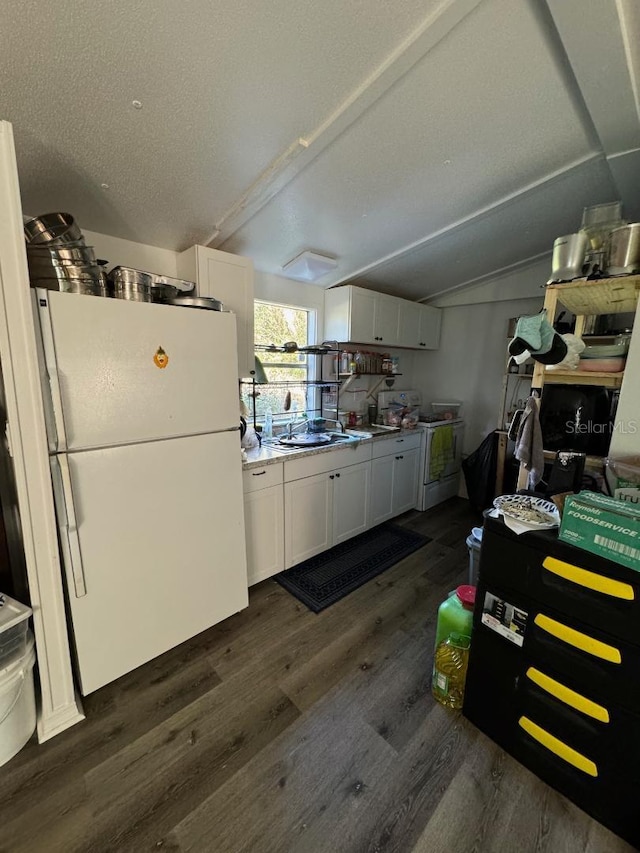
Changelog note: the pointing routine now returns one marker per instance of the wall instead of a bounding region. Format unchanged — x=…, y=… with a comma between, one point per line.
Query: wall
x=519, y=282
x=128, y=254
x=470, y=364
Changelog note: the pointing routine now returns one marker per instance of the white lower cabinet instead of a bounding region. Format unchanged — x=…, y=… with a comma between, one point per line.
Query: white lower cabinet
x=306, y=506
x=405, y=480
x=264, y=522
x=325, y=503
x=350, y=498
x=308, y=520
x=394, y=477
x=381, y=501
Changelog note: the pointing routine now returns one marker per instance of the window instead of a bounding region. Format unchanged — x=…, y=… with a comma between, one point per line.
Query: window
x=278, y=324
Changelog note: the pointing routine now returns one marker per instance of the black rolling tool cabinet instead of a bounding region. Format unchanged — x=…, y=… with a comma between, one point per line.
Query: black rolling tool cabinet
x=554, y=669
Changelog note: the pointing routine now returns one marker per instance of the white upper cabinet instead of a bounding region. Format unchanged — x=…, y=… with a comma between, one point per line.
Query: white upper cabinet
x=386, y=322
x=228, y=278
x=357, y=315
x=409, y=323
x=361, y=311
x=430, y=322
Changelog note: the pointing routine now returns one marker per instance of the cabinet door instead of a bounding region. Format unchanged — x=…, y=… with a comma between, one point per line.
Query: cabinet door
x=386, y=319
x=264, y=531
x=350, y=501
x=409, y=324
x=308, y=520
x=362, y=310
x=430, y=320
x=381, y=491
x=405, y=480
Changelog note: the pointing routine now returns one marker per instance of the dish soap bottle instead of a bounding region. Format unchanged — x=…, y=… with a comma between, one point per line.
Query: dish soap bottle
x=267, y=429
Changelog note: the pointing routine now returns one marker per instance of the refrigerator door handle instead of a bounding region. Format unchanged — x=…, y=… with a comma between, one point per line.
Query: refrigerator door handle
x=48, y=355
x=56, y=404
x=68, y=523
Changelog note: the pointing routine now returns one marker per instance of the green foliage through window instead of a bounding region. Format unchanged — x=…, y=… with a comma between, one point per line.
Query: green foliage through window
x=280, y=324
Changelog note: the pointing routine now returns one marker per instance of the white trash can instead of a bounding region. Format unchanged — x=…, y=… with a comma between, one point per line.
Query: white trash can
x=17, y=703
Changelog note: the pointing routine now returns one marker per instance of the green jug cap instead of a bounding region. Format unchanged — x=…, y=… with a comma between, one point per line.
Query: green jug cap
x=467, y=595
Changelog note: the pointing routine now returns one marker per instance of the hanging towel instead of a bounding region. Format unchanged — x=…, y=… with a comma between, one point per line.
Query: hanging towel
x=529, y=448
x=441, y=450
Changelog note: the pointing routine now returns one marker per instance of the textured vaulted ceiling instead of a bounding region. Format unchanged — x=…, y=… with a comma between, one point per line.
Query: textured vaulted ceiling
x=423, y=144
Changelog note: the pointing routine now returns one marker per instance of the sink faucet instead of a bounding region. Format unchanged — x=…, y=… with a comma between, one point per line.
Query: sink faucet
x=292, y=427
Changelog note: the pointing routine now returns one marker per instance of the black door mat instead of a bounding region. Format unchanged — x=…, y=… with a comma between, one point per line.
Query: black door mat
x=326, y=578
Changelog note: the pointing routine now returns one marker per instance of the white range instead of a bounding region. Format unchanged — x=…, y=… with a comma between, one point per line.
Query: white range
x=432, y=490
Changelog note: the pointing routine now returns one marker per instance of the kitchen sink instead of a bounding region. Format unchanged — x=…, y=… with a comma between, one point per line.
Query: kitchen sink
x=336, y=438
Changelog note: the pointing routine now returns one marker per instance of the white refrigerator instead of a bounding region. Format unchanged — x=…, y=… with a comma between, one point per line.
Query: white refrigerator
x=141, y=403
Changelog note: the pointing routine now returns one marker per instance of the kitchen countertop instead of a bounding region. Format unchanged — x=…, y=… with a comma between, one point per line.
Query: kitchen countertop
x=261, y=456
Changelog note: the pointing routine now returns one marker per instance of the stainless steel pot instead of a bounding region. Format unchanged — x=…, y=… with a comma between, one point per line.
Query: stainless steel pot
x=135, y=291
x=624, y=249
x=129, y=275
x=206, y=302
x=568, y=256
x=72, y=285
x=51, y=251
x=52, y=226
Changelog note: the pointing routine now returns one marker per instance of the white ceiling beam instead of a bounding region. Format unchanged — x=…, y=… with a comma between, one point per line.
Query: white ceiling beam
x=304, y=150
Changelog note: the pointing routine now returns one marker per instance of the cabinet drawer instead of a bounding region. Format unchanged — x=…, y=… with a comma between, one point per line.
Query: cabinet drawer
x=395, y=445
x=591, y=761
x=592, y=662
x=322, y=463
x=594, y=590
x=254, y=479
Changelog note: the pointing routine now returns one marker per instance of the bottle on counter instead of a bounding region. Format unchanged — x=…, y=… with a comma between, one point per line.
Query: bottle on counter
x=359, y=362
x=345, y=362
x=267, y=429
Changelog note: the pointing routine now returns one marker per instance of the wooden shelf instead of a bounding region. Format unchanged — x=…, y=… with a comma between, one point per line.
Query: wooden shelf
x=592, y=463
x=601, y=296
x=583, y=377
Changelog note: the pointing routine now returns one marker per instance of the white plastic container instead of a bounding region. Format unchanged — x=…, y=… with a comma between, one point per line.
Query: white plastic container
x=13, y=629
x=17, y=703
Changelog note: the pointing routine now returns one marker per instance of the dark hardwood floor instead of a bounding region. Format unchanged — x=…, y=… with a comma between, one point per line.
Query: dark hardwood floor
x=281, y=731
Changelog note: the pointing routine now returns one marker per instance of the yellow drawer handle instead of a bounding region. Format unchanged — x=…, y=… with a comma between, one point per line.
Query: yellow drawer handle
x=578, y=639
x=591, y=580
x=558, y=747
x=568, y=696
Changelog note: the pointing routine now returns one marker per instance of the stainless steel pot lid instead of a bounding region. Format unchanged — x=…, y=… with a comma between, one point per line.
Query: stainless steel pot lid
x=197, y=302
x=306, y=440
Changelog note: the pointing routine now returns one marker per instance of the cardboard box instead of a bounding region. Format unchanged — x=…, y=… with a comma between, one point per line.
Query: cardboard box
x=604, y=526
x=625, y=474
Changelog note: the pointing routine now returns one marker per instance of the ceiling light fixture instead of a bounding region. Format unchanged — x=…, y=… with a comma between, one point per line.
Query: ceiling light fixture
x=309, y=266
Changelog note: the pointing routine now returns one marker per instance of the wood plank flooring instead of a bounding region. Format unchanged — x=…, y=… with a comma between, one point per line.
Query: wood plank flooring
x=282, y=731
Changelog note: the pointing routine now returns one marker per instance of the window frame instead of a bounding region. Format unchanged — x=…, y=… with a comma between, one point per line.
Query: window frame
x=309, y=367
